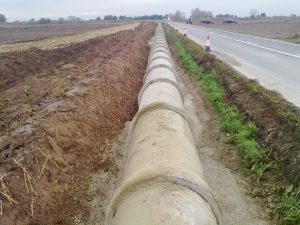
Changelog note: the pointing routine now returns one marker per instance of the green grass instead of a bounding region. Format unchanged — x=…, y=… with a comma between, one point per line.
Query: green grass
x=243, y=134
x=289, y=206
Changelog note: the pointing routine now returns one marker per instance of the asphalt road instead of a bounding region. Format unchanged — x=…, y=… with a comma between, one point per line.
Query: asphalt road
x=274, y=64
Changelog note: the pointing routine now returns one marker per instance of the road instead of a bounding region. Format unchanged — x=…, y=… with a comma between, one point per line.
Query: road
x=274, y=64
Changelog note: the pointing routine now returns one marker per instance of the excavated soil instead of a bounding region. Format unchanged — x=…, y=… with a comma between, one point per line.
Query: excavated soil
x=61, y=113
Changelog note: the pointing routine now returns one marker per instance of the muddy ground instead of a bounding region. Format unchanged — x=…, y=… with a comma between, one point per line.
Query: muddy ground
x=279, y=28
x=60, y=118
x=10, y=33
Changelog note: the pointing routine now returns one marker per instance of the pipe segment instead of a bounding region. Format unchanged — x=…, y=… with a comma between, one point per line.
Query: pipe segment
x=163, y=181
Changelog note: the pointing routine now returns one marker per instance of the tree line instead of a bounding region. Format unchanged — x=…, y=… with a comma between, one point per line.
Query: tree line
x=197, y=13
x=78, y=19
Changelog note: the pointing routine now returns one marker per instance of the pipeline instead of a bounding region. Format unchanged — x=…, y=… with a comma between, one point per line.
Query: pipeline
x=163, y=181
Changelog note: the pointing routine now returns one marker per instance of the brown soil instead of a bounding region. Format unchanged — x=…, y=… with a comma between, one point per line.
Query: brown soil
x=57, y=116
x=10, y=34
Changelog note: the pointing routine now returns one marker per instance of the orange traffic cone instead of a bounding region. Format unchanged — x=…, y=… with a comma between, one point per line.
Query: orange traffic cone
x=207, y=46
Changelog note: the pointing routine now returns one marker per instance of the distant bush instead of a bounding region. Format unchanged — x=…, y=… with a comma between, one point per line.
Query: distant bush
x=110, y=17
x=61, y=20
x=44, y=21
x=150, y=17
x=73, y=19
x=262, y=15
x=125, y=17
x=2, y=18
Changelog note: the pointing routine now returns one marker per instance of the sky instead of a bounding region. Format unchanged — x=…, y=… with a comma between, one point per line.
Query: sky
x=27, y=9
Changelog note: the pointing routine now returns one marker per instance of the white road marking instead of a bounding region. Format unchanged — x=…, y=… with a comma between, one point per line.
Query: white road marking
x=247, y=35
x=251, y=44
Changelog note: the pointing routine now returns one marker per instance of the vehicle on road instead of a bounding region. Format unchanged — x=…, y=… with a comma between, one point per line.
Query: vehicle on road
x=189, y=21
x=207, y=21
x=229, y=20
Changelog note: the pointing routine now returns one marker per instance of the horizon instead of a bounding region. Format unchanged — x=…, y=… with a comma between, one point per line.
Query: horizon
x=90, y=9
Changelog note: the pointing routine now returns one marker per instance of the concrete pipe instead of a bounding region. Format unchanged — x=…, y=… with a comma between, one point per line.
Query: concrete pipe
x=163, y=181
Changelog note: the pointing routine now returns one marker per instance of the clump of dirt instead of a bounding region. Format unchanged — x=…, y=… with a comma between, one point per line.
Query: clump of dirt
x=47, y=163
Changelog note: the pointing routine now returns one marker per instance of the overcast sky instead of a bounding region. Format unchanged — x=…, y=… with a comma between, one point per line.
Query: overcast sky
x=26, y=9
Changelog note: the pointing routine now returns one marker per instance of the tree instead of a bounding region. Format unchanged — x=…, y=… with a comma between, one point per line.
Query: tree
x=44, y=21
x=61, y=20
x=121, y=17
x=197, y=13
x=74, y=19
x=31, y=20
x=178, y=15
x=222, y=16
x=110, y=17
x=209, y=14
x=263, y=14
x=253, y=12
x=2, y=18
x=149, y=17
x=98, y=18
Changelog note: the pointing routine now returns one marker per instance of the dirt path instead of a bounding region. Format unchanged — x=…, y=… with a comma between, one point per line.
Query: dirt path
x=219, y=162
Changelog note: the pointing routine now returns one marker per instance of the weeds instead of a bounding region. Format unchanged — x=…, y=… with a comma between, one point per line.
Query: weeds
x=288, y=207
x=231, y=120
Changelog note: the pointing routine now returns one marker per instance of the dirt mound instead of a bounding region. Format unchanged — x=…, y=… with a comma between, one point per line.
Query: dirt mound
x=47, y=162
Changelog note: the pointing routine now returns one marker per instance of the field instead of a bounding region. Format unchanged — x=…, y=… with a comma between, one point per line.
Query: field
x=10, y=34
x=287, y=29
